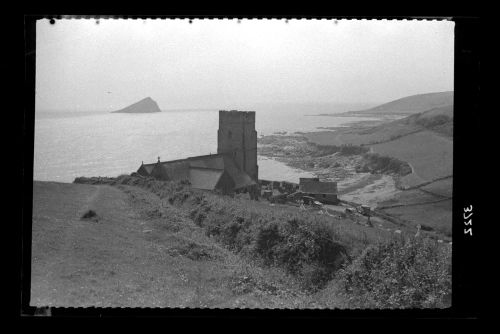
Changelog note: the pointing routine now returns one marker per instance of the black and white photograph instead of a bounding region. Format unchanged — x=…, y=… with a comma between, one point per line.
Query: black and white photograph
x=243, y=164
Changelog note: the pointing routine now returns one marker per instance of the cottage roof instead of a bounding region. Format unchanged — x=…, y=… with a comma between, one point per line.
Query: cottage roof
x=203, y=171
x=173, y=170
x=223, y=162
x=215, y=161
x=204, y=178
x=148, y=168
x=318, y=187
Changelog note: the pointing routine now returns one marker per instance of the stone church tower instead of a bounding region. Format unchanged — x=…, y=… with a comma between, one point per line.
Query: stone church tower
x=237, y=136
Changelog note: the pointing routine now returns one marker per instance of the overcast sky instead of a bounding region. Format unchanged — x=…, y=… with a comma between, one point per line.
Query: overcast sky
x=82, y=65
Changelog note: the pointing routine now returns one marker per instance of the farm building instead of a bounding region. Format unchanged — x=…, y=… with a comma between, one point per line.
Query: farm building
x=234, y=167
x=325, y=192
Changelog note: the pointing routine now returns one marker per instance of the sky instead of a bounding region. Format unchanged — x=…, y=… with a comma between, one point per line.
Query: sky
x=84, y=65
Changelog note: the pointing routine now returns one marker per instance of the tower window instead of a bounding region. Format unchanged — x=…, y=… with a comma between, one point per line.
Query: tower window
x=229, y=134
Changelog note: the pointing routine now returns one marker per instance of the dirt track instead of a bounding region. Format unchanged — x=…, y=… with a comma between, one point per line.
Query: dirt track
x=104, y=263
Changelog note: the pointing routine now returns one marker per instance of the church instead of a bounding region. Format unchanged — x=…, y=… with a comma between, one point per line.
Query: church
x=234, y=167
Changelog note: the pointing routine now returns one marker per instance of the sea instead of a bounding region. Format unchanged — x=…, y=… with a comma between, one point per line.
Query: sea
x=69, y=144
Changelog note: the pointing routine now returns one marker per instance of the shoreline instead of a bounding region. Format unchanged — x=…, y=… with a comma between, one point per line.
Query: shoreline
x=397, y=192
x=297, y=151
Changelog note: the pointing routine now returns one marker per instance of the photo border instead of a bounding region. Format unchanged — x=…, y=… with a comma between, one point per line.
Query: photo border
x=465, y=190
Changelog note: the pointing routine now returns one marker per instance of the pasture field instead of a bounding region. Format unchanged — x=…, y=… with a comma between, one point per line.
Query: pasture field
x=420, y=207
x=437, y=216
x=430, y=155
x=442, y=188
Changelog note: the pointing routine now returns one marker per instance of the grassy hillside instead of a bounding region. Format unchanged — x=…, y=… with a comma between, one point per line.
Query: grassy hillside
x=292, y=258
x=413, y=104
x=430, y=155
x=138, y=252
x=424, y=140
x=438, y=120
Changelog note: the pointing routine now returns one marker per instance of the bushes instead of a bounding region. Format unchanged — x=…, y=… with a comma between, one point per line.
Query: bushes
x=324, y=164
x=307, y=249
x=409, y=273
x=397, y=273
x=323, y=150
x=376, y=163
x=429, y=122
x=305, y=246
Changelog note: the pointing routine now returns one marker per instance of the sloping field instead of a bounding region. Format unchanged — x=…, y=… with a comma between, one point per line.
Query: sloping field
x=438, y=120
x=376, y=134
x=414, y=103
x=437, y=216
x=137, y=253
x=442, y=188
x=430, y=155
x=366, y=136
x=431, y=210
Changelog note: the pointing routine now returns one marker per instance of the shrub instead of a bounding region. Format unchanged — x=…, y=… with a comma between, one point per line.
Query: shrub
x=90, y=215
x=428, y=122
x=324, y=164
x=307, y=249
x=323, y=150
x=376, y=163
x=402, y=273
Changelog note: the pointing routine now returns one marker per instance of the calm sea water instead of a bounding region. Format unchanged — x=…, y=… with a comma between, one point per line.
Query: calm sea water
x=72, y=144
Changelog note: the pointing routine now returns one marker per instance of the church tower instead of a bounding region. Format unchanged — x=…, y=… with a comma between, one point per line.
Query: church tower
x=237, y=136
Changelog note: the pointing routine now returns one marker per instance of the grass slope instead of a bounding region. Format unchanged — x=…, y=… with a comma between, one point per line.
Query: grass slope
x=139, y=253
x=413, y=104
x=430, y=155
x=424, y=140
x=154, y=243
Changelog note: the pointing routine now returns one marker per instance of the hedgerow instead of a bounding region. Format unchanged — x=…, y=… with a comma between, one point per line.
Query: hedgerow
x=318, y=252
x=405, y=272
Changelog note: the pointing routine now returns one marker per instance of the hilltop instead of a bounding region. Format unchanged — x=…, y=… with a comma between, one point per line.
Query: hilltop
x=411, y=104
x=437, y=120
x=146, y=105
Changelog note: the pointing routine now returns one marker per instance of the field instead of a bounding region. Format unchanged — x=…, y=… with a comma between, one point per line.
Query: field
x=417, y=206
x=161, y=244
x=436, y=216
x=441, y=188
x=410, y=198
x=430, y=155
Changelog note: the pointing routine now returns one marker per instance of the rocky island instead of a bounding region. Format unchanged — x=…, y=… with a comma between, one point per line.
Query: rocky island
x=147, y=105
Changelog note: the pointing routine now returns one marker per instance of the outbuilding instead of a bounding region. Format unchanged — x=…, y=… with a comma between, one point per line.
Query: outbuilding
x=323, y=191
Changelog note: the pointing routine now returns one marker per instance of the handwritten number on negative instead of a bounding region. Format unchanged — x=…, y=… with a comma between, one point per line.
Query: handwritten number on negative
x=468, y=220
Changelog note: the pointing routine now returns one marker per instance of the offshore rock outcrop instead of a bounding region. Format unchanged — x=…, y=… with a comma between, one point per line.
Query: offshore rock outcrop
x=147, y=105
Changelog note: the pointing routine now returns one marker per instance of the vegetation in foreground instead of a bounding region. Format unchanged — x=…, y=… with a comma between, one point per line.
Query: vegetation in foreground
x=340, y=263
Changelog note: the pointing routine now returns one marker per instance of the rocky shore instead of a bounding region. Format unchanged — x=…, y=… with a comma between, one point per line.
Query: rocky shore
x=346, y=165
